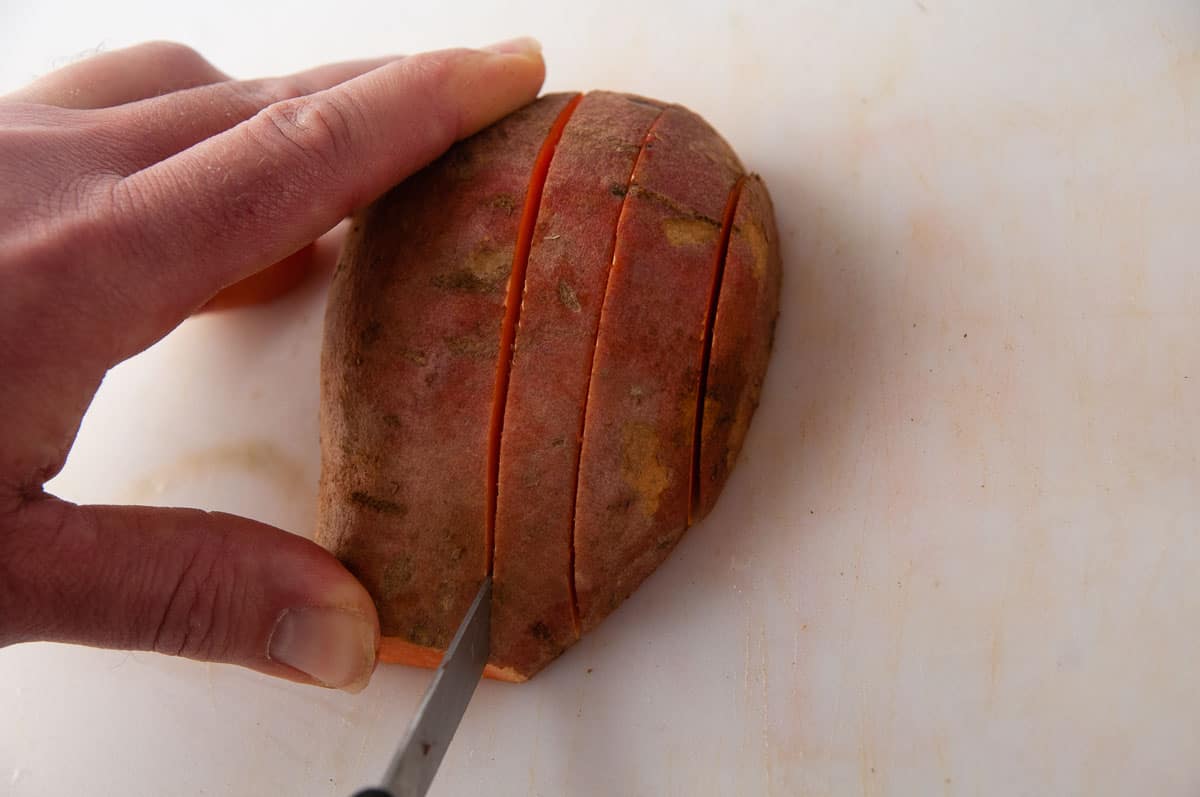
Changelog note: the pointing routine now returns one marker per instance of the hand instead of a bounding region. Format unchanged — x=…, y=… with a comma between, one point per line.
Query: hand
x=134, y=187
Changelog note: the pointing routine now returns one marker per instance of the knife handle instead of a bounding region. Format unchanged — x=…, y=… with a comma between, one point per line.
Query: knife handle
x=372, y=793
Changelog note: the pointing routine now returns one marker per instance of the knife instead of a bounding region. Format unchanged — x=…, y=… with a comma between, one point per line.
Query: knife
x=416, y=762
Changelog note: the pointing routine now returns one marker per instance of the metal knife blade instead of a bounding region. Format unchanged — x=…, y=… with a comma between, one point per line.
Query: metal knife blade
x=416, y=762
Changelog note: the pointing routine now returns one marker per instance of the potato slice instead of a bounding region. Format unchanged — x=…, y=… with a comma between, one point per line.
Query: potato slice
x=637, y=456
x=533, y=613
x=408, y=375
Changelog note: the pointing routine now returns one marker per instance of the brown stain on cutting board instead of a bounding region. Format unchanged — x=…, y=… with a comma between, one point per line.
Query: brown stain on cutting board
x=258, y=458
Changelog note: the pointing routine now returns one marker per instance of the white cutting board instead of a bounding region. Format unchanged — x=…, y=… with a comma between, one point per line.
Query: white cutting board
x=961, y=554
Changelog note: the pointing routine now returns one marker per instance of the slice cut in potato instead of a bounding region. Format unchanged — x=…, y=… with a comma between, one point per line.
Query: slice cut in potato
x=747, y=306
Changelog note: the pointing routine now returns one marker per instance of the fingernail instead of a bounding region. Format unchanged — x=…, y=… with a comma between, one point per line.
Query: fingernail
x=335, y=647
x=522, y=45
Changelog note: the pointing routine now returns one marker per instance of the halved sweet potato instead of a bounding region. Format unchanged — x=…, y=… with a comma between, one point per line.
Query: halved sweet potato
x=583, y=447
x=636, y=463
x=747, y=306
x=533, y=613
x=408, y=375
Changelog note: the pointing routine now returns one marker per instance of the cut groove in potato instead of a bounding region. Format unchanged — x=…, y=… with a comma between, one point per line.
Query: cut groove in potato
x=512, y=311
x=709, y=324
x=742, y=331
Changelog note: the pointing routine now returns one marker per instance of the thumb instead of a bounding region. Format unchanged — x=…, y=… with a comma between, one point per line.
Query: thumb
x=206, y=586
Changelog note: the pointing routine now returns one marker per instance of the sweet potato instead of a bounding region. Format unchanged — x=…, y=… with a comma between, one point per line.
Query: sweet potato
x=267, y=285
x=533, y=606
x=517, y=342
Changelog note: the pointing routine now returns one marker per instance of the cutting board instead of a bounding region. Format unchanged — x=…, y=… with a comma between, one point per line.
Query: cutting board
x=960, y=553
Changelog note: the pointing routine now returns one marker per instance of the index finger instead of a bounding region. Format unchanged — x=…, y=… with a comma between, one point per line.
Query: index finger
x=202, y=219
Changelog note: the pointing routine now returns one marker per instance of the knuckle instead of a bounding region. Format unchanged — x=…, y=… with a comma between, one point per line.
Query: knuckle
x=27, y=586
x=248, y=97
x=198, y=618
x=318, y=128
x=278, y=89
x=172, y=56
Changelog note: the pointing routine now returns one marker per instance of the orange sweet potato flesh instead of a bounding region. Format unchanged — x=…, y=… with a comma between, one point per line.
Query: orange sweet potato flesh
x=747, y=307
x=533, y=613
x=408, y=375
x=266, y=285
x=637, y=457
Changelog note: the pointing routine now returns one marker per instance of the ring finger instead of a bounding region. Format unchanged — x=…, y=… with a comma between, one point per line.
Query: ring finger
x=121, y=76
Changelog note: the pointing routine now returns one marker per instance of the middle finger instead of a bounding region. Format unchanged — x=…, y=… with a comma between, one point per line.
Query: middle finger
x=154, y=129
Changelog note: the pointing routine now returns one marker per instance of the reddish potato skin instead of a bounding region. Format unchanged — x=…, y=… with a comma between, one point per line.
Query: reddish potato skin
x=748, y=304
x=636, y=463
x=408, y=374
x=533, y=614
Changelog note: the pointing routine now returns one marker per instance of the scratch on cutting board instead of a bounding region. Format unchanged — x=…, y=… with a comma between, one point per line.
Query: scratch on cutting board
x=212, y=688
x=533, y=749
x=873, y=90
x=900, y=613
x=866, y=753
x=939, y=747
x=997, y=652
x=373, y=722
x=260, y=458
x=1183, y=67
x=764, y=687
x=745, y=704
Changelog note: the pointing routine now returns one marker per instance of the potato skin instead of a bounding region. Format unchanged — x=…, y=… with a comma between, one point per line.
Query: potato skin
x=636, y=463
x=747, y=307
x=602, y=463
x=408, y=372
x=533, y=613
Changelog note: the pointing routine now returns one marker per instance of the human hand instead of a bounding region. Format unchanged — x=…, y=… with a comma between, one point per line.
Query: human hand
x=134, y=187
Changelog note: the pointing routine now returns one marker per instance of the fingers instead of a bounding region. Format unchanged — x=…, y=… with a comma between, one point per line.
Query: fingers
x=218, y=211
x=156, y=128
x=206, y=586
x=121, y=76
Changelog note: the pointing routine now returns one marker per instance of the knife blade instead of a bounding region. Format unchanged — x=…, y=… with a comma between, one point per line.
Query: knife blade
x=416, y=761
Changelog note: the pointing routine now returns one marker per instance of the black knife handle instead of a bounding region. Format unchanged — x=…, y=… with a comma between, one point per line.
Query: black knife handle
x=372, y=793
